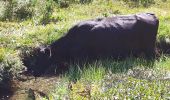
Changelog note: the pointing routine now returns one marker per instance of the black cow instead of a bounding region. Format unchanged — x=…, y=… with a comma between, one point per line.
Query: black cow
x=117, y=37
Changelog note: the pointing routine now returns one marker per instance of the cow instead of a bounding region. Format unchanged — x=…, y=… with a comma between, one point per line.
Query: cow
x=117, y=37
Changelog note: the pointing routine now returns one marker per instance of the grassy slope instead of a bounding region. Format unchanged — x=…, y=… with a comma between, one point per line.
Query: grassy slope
x=95, y=79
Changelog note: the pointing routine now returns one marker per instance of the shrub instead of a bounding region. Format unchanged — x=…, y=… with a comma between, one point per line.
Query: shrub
x=10, y=67
x=22, y=9
x=39, y=10
x=5, y=11
x=15, y=10
x=42, y=11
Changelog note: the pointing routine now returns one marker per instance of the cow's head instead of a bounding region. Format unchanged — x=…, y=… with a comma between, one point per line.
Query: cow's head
x=38, y=61
x=44, y=56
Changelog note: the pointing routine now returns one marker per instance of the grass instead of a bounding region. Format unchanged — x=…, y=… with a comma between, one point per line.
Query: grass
x=110, y=79
x=105, y=79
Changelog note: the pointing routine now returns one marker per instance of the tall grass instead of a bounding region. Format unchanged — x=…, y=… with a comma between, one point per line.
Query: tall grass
x=96, y=70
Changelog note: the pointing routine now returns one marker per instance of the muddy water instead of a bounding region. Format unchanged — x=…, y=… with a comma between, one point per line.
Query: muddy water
x=31, y=88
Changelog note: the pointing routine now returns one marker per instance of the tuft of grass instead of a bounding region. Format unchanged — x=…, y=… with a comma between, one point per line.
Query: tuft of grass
x=88, y=72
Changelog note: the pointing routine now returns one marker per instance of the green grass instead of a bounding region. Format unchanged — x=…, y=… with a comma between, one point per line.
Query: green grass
x=109, y=79
x=105, y=79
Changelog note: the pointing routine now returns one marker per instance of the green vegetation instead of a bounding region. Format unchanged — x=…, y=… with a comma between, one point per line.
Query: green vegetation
x=28, y=24
x=110, y=79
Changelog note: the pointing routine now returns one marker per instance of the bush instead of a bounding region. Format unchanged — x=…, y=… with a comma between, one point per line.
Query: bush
x=42, y=11
x=15, y=10
x=39, y=10
x=5, y=11
x=22, y=9
x=10, y=67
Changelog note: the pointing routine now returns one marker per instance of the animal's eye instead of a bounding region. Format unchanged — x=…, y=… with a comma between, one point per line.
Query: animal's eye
x=47, y=51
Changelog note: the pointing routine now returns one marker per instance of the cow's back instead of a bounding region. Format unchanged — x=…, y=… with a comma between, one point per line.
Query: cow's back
x=112, y=36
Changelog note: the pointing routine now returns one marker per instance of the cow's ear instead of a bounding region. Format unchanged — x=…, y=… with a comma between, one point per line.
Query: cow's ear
x=46, y=51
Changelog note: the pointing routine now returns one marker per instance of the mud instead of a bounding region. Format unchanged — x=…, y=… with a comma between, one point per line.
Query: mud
x=31, y=88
